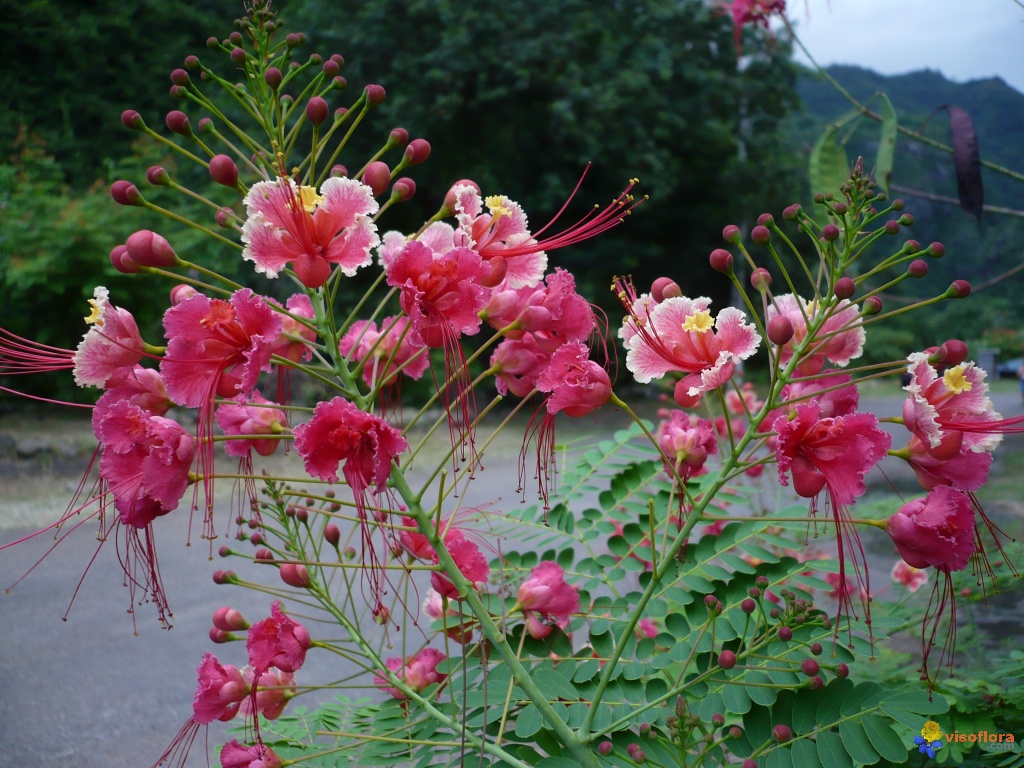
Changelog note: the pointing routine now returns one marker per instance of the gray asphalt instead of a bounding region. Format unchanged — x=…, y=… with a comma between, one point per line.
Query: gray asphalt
x=89, y=693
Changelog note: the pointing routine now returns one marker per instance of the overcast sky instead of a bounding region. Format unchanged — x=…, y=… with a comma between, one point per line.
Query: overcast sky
x=963, y=39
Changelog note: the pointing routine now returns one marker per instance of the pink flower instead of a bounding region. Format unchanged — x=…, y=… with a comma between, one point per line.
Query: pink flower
x=680, y=335
x=836, y=452
x=519, y=364
x=273, y=689
x=910, y=577
x=235, y=755
x=418, y=671
x=753, y=12
x=293, y=343
x=277, y=641
x=415, y=543
x=217, y=347
x=340, y=432
x=945, y=412
x=220, y=691
x=384, y=352
x=838, y=333
x=553, y=313
x=547, y=593
x=458, y=630
x=143, y=387
x=936, y=531
x=253, y=417
x=468, y=559
x=145, y=463
x=289, y=224
x=112, y=346
x=441, y=293
x=966, y=470
x=686, y=442
x=575, y=383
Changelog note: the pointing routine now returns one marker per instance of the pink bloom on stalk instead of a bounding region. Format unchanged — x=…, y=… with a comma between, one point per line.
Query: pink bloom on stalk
x=143, y=387
x=293, y=343
x=277, y=641
x=936, y=531
x=576, y=384
x=235, y=755
x=519, y=364
x=340, y=432
x=145, y=462
x=217, y=347
x=966, y=470
x=418, y=671
x=839, y=339
x=441, y=293
x=547, y=593
x=910, y=577
x=744, y=402
x=220, y=691
x=679, y=334
x=468, y=559
x=836, y=452
x=686, y=441
x=415, y=543
x=438, y=237
x=111, y=347
x=253, y=417
x=383, y=352
x=552, y=313
x=273, y=689
x=289, y=224
x=753, y=12
x=951, y=410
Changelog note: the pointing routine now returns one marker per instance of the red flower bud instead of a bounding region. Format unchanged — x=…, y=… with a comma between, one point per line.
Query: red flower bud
x=292, y=40
x=780, y=330
x=845, y=287
x=157, y=176
x=182, y=292
x=721, y=261
x=235, y=38
x=295, y=575
x=238, y=56
x=765, y=219
x=224, y=217
x=911, y=246
x=339, y=171
x=830, y=233
x=264, y=555
x=872, y=306
x=664, y=288
x=177, y=122
x=727, y=659
x=731, y=234
x=417, y=151
x=449, y=199
x=148, y=249
x=760, y=235
x=782, y=733
x=790, y=212
x=192, y=62
x=748, y=605
x=950, y=353
x=126, y=193
x=273, y=78
x=316, y=58
x=220, y=636
x=960, y=289
x=180, y=77
x=760, y=279
x=377, y=176
x=374, y=94
x=317, y=110
x=785, y=634
x=330, y=68
x=332, y=534
x=938, y=250
x=605, y=748
x=892, y=227
x=224, y=171
x=918, y=268
x=122, y=261
x=842, y=670
x=229, y=619
x=132, y=119
x=810, y=667
x=403, y=188
x=398, y=137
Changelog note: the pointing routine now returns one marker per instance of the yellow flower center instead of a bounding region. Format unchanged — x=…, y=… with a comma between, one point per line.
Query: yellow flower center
x=95, y=314
x=955, y=380
x=699, y=321
x=497, y=207
x=931, y=731
x=309, y=198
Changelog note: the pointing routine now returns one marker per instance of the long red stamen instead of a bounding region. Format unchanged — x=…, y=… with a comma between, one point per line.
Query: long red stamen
x=20, y=356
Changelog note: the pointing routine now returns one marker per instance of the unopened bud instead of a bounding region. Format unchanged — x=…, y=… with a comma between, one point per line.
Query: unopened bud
x=782, y=733
x=918, y=268
x=398, y=137
x=449, y=199
x=220, y=636
x=830, y=233
x=238, y=56
x=845, y=287
x=132, y=119
x=760, y=235
x=264, y=555
x=125, y=193
x=374, y=94
x=292, y=40
x=316, y=58
x=937, y=250
x=192, y=62
x=842, y=670
x=663, y=284
x=122, y=262
x=897, y=204
x=892, y=227
x=330, y=69
x=229, y=619
x=148, y=249
x=731, y=234
x=205, y=125
x=332, y=534
x=273, y=78
x=317, y=110
x=180, y=77
x=950, y=353
x=339, y=171
x=790, y=212
x=235, y=38
x=960, y=289
x=818, y=198
x=212, y=42
x=765, y=219
x=760, y=279
x=810, y=667
x=157, y=176
x=377, y=176
x=727, y=659
x=605, y=748
x=339, y=83
x=721, y=261
x=350, y=553
x=417, y=151
x=295, y=575
x=403, y=188
x=224, y=217
x=748, y=605
x=780, y=330
x=224, y=577
x=911, y=246
x=182, y=292
x=872, y=306
x=224, y=171
x=177, y=122
x=906, y=220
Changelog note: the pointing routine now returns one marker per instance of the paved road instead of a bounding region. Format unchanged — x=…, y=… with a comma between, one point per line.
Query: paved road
x=89, y=693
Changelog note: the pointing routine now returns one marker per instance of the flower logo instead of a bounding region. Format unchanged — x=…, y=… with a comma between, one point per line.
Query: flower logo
x=929, y=740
